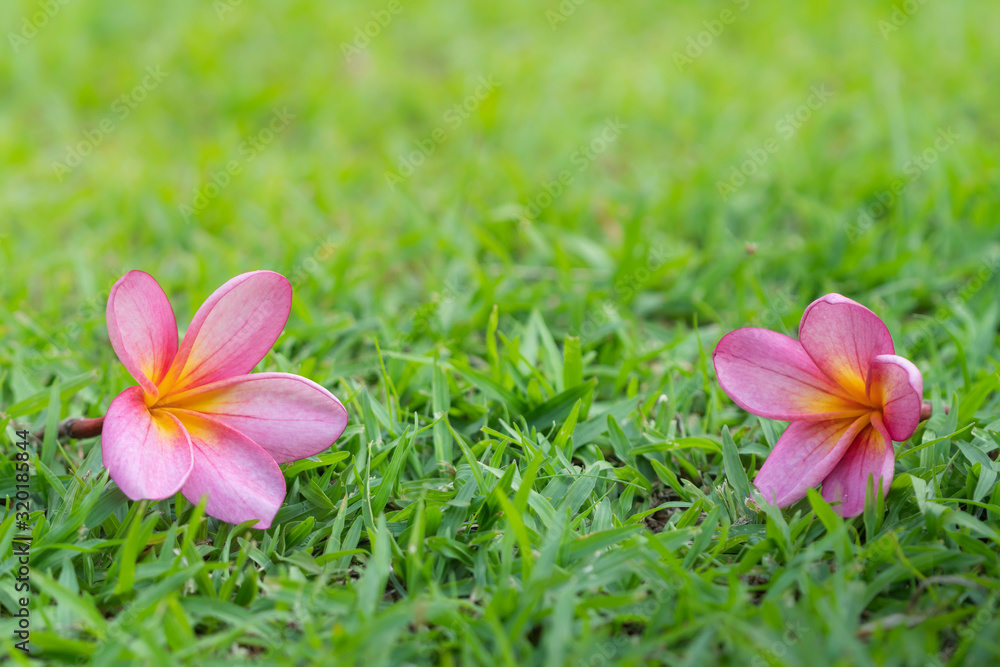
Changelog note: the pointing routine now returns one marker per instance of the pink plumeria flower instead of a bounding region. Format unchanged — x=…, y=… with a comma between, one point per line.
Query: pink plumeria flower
x=845, y=392
x=199, y=422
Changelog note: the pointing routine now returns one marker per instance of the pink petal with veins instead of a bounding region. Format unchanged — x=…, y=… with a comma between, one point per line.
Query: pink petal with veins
x=843, y=337
x=232, y=331
x=142, y=328
x=870, y=454
x=147, y=453
x=803, y=457
x=289, y=416
x=241, y=480
x=770, y=375
x=896, y=385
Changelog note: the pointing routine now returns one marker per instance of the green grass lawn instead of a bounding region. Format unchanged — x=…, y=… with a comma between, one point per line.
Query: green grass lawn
x=515, y=232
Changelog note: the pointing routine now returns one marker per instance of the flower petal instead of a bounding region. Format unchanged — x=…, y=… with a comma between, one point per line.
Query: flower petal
x=147, y=452
x=289, y=416
x=241, y=480
x=870, y=454
x=142, y=328
x=770, y=375
x=803, y=457
x=843, y=337
x=897, y=386
x=232, y=331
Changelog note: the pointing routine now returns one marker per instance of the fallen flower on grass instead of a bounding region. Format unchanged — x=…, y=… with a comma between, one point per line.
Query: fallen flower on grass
x=199, y=422
x=844, y=390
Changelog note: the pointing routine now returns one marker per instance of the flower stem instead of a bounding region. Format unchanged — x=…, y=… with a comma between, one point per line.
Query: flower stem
x=76, y=428
x=926, y=410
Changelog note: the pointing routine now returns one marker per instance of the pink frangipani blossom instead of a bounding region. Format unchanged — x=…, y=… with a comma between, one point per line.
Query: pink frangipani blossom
x=199, y=422
x=844, y=390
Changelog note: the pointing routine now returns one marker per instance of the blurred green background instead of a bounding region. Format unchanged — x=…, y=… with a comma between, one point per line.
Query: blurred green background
x=645, y=175
x=226, y=66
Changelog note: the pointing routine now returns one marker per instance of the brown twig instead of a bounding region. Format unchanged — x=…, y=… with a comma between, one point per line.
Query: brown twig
x=76, y=428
